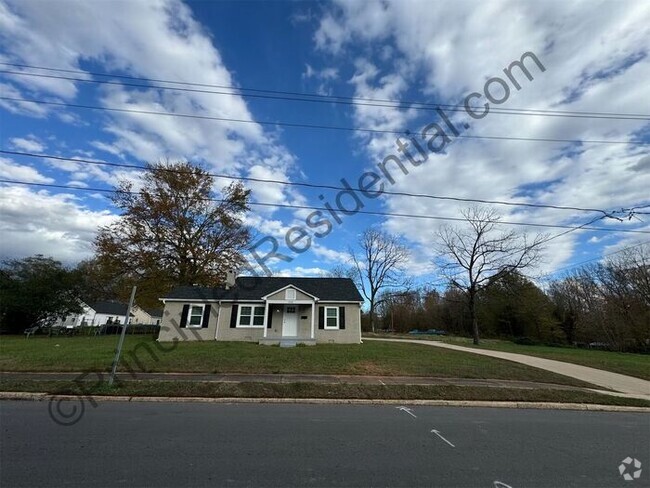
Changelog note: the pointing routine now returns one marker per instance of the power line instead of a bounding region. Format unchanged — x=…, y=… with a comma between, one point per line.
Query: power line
x=237, y=90
x=310, y=126
x=583, y=226
x=317, y=186
x=500, y=111
x=325, y=209
x=587, y=261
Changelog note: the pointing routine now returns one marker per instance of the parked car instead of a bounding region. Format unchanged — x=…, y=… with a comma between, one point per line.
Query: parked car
x=428, y=332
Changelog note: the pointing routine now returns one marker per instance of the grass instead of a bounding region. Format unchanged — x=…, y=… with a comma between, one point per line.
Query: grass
x=313, y=390
x=371, y=358
x=637, y=365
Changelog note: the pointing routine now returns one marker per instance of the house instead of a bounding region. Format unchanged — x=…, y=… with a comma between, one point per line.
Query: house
x=108, y=312
x=268, y=310
x=150, y=316
x=95, y=314
x=156, y=315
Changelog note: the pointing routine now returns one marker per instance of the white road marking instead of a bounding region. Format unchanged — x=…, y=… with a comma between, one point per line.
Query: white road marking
x=501, y=484
x=407, y=410
x=440, y=435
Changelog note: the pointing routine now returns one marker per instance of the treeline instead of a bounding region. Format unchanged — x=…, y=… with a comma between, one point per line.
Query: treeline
x=604, y=305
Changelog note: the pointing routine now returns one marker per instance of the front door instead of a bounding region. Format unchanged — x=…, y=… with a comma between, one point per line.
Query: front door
x=290, y=321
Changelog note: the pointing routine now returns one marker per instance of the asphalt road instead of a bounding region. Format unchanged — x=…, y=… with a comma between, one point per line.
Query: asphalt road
x=215, y=445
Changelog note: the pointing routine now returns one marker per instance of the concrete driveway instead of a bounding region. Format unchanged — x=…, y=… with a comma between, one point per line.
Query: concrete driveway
x=624, y=385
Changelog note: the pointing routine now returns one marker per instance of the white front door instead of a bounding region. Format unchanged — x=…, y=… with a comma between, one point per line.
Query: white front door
x=290, y=321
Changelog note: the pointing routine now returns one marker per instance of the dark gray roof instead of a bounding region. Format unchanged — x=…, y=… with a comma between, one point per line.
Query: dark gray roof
x=109, y=308
x=254, y=288
x=154, y=312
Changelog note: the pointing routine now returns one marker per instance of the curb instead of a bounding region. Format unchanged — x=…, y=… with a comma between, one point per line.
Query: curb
x=25, y=396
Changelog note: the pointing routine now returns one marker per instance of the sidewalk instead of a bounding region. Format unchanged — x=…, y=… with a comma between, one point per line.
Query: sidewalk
x=628, y=385
x=294, y=378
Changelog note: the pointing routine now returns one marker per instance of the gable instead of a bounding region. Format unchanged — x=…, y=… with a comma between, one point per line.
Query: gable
x=287, y=292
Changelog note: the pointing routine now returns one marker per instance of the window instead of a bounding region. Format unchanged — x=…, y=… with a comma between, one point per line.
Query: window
x=196, y=316
x=290, y=294
x=251, y=316
x=331, y=317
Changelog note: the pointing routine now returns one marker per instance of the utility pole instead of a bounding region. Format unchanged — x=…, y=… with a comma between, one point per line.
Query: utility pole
x=116, y=361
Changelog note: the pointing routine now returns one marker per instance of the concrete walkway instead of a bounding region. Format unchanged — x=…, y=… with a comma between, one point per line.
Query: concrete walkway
x=628, y=385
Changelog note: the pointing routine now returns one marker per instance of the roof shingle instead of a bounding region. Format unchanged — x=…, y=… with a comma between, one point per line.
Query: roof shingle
x=254, y=288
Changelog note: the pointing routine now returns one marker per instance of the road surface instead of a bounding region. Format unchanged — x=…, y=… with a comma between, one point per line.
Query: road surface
x=216, y=445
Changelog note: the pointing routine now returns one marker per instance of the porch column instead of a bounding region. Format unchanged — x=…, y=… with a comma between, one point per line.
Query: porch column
x=266, y=316
x=313, y=312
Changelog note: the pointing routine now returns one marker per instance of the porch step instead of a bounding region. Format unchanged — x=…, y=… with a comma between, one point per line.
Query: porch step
x=286, y=341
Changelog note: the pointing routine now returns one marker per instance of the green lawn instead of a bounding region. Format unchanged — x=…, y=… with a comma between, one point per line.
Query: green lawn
x=312, y=390
x=637, y=365
x=371, y=358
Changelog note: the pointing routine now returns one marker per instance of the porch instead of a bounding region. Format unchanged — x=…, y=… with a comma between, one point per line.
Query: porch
x=289, y=323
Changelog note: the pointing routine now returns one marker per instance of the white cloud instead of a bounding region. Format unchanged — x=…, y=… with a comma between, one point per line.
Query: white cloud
x=302, y=272
x=442, y=54
x=30, y=143
x=157, y=39
x=38, y=222
x=14, y=171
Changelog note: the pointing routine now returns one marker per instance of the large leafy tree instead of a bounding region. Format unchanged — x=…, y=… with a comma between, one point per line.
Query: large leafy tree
x=173, y=231
x=35, y=291
x=514, y=306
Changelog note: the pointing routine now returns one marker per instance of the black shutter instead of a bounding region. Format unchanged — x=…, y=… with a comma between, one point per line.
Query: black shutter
x=269, y=318
x=341, y=317
x=233, y=316
x=321, y=317
x=186, y=311
x=206, y=316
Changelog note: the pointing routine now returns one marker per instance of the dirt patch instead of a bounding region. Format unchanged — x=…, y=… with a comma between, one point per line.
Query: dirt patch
x=369, y=368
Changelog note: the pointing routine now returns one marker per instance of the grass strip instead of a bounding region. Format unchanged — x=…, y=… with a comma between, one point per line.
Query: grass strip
x=315, y=390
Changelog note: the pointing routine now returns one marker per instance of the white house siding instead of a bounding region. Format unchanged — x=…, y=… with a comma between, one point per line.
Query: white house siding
x=89, y=318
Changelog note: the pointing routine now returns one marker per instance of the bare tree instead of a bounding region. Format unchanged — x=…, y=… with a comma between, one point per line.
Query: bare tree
x=474, y=256
x=377, y=265
x=341, y=271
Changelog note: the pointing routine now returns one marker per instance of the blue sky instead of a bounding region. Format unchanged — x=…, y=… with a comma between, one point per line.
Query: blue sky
x=595, y=56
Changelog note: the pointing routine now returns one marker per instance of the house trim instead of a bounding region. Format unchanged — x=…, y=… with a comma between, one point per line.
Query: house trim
x=340, y=301
x=189, y=325
x=251, y=326
x=265, y=297
x=338, y=319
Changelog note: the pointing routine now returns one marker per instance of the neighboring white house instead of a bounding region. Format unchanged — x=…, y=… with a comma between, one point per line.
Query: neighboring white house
x=101, y=313
x=95, y=314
